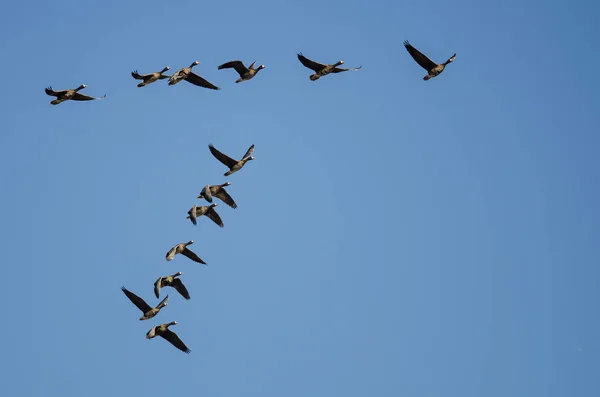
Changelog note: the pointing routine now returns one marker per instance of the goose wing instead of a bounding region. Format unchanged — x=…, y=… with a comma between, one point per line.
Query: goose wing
x=225, y=197
x=81, y=97
x=248, y=152
x=200, y=81
x=190, y=254
x=337, y=70
x=212, y=214
x=51, y=92
x=421, y=59
x=237, y=65
x=178, y=285
x=157, y=286
x=316, y=66
x=223, y=158
x=172, y=252
x=136, y=300
x=175, y=341
x=138, y=76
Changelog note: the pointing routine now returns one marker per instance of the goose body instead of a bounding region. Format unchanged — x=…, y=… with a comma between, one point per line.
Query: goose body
x=71, y=94
x=218, y=191
x=206, y=210
x=141, y=304
x=246, y=73
x=189, y=76
x=164, y=332
x=171, y=281
x=184, y=250
x=150, y=77
x=321, y=69
x=433, y=69
x=234, y=165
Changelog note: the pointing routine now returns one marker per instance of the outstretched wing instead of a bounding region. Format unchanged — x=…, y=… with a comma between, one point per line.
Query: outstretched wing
x=337, y=70
x=136, y=300
x=237, y=65
x=225, y=197
x=51, y=92
x=137, y=76
x=223, y=158
x=157, y=286
x=178, y=285
x=316, y=66
x=421, y=59
x=192, y=256
x=175, y=341
x=80, y=97
x=212, y=214
x=248, y=152
x=199, y=81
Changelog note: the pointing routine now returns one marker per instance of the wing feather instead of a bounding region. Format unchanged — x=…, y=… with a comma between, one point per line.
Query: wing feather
x=136, y=300
x=190, y=254
x=316, y=66
x=200, y=81
x=421, y=59
x=237, y=65
x=175, y=341
x=178, y=285
x=223, y=158
x=212, y=214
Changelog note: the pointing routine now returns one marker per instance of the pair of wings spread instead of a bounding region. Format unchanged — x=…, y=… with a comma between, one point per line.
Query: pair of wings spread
x=76, y=96
x=225, y=159
x=316, y=66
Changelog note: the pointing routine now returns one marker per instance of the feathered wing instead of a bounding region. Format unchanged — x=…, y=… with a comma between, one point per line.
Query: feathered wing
x=337, y=70
x=157, y=286
x=172, y=252
x=51, y=92
x=200, y=81
x=136, y=300
x=178, y=285
x=421, y=59
x=212, y=214
x=137, y=76
x=175, y=341
x=225, y=197
x=309, y=63
x=237, y=65
x=223, y=158
x=248, y=152
x=80, y=97
x=190, y=254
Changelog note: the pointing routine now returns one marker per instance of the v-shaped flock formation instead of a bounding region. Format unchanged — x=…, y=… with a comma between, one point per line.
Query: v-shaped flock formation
x=211, y=191
x=246, y=73
x=207, y=193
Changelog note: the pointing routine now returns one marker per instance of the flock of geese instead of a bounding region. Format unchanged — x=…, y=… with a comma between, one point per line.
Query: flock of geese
x=246, y=73
x=207, y=193
x=218, y=191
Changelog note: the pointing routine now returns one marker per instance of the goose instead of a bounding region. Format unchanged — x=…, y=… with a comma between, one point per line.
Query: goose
x=189, y=76
x=246, y=73
x=184, y=250
x=150, y=77
x=234, y=165
x=171, y=281
x=164, y=332
x=432, y=68
x=207, y=210
x=65, y=95
x=219, y=192
x=322, y=69
x=141, y=304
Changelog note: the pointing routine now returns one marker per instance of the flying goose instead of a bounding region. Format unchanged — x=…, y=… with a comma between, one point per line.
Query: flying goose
x=65, y=95
x=150, y=77
x=234, y=165
x=219, y=192
x=246, y=73
x=207, y=210
x=171, y=281
x=432, y=68
x=189, y=76
x=164, y=332
x=182, y=249
x=141, y=304
x=322, y=69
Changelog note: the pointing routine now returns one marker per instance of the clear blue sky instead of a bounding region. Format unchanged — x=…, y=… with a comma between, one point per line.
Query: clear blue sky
x=394, y=237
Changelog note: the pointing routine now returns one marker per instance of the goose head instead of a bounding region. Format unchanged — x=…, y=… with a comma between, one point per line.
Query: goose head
x=338, y=63
x=194, y=64
x=451, y=59
x=165, y=69
x=190, y=242
x=81, y=87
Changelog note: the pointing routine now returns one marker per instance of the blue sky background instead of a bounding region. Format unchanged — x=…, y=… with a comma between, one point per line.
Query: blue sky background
x=394, y=237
